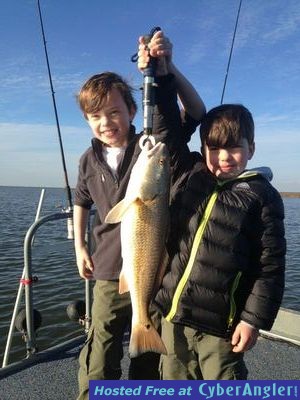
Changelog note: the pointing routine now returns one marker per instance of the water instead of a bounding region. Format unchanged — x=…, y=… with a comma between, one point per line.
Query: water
x=292, y=227
x=54, y=265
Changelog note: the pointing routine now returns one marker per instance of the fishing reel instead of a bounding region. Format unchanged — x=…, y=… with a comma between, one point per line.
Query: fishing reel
x=76, y=311
x=21, y=324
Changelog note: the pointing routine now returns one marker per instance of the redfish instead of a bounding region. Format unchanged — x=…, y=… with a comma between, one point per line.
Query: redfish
x=144, y=217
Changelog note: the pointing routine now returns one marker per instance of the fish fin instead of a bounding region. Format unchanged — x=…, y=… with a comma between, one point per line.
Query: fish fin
x=123, y=284
x=145, y=338
x=116, y=213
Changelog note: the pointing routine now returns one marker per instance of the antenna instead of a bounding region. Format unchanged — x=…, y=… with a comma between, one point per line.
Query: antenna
x=68, y=190
x=230, y=54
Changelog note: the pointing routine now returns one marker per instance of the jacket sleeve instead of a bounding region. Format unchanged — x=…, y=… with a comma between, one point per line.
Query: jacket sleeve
x=266, y=295
x=168, y=125
x=189, y=125
x=171, y=128
x=82, y=196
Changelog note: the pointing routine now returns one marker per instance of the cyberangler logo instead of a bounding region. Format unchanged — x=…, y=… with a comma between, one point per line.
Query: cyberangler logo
x=247, y=389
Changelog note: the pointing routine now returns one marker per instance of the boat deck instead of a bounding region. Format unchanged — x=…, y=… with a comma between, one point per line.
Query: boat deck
x=53, y=374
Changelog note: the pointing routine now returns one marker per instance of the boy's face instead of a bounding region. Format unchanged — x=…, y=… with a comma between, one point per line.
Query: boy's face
x=111, y=123
x=229, y=162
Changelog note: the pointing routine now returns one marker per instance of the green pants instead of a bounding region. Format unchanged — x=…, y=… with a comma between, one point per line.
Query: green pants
x=192, y=355
x=100, y=358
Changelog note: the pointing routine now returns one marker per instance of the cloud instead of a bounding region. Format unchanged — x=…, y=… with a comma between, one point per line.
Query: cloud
x=30, y=154
x=23, y=77
x=278, y=129
x=264, y=23
x=266, y=120
x=197, y=52
x=286, y=24
x=39, y=137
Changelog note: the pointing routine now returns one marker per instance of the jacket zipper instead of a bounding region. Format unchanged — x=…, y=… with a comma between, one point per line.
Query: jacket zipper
x=232, y=311
x=190, y=263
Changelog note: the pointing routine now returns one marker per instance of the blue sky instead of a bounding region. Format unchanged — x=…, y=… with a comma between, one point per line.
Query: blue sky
x=87, y=37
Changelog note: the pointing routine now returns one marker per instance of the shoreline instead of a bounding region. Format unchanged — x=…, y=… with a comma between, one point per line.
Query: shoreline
x=290, y=194
x=283, y=194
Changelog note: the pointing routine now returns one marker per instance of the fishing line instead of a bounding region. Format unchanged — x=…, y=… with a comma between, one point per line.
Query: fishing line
x=68, y=190
x=230, y=54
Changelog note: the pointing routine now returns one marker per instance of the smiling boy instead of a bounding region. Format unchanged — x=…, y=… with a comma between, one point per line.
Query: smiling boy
x=225, y=280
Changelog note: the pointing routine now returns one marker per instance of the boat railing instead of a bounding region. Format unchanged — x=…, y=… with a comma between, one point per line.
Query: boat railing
x=26, y=285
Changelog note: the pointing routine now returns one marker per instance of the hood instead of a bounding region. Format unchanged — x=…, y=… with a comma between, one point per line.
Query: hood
x=266, y=172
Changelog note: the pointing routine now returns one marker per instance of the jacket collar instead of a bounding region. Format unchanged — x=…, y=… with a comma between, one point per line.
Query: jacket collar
x=264, y=172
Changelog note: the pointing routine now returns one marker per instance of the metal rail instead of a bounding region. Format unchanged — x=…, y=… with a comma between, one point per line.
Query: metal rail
x=26, y=283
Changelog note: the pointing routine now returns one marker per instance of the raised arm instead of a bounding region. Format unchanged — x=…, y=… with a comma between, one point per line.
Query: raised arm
x=161, y=47
x=189, y=98
x=168, y=123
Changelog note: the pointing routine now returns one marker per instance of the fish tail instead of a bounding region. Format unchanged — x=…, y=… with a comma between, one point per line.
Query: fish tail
x=145, y=338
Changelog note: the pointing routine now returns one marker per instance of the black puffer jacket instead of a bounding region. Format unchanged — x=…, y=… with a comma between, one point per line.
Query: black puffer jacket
x=229, y=264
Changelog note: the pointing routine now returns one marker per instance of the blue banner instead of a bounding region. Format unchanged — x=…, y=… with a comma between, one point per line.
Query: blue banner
x=195, y=390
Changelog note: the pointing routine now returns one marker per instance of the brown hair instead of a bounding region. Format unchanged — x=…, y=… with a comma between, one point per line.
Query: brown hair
x=226, y=125
x=94, y=91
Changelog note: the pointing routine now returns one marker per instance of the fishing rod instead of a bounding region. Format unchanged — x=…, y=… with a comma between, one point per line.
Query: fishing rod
x=231, y=50
x=67, y=187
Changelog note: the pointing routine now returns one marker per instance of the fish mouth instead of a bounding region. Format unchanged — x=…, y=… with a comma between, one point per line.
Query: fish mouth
x=157, y=148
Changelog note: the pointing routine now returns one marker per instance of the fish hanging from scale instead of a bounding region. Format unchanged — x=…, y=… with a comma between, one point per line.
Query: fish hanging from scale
x=144, y=217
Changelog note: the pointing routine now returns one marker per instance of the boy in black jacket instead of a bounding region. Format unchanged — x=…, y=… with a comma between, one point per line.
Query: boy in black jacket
x=227, y=247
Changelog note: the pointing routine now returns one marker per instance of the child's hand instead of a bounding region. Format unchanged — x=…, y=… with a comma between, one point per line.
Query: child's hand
x=244, y=337
x=84, y=263
x=159, y=47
